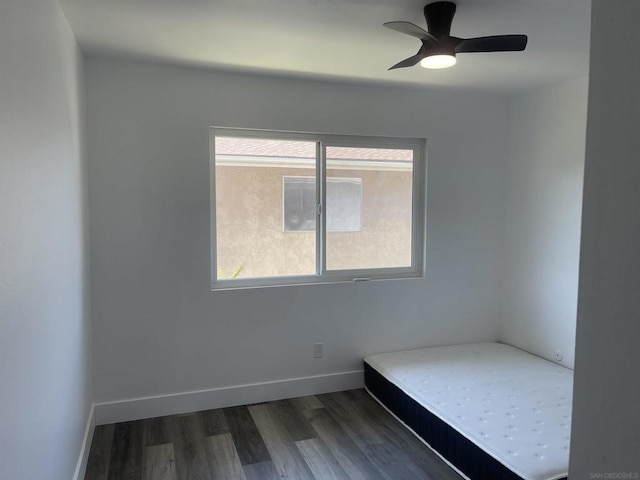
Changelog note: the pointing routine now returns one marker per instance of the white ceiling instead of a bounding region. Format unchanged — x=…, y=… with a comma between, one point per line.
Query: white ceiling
x=341, y=39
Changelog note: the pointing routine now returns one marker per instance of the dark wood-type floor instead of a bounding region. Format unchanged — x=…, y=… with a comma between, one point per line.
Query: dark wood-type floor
x=344, y=435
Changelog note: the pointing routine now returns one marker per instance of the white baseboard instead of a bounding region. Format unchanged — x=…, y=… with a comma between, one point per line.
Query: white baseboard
x=83, y=457
x=148, y=407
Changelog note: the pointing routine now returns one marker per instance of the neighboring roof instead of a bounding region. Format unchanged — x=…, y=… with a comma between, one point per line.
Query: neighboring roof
x=250, y=147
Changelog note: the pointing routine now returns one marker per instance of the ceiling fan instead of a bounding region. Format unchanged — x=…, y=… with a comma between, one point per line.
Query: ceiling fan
x=439, y=48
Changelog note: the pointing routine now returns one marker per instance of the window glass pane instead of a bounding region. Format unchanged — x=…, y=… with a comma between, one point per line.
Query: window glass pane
x=344, y=204
x=299, y=199
x=250, y=238
x=383, y=239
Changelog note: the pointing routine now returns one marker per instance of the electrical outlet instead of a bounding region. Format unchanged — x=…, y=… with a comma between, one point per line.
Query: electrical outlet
x=559, y=356
x=317, y=350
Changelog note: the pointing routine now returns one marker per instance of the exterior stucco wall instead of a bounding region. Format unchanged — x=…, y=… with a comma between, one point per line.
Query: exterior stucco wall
x=250, y=223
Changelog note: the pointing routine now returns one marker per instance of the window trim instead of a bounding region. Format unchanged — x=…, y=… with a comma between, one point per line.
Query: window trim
x=418, y=235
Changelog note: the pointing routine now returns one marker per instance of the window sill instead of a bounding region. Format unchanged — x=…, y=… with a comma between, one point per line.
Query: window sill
x=298, y=280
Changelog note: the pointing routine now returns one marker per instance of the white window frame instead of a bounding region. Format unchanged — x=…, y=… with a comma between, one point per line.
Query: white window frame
x=322, y=275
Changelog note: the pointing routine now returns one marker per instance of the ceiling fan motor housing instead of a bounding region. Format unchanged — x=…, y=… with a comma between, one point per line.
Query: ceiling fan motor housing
x=439, y=16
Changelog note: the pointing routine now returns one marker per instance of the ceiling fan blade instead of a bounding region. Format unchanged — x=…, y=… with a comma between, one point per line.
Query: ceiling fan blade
x=498, y=43
x=409, y=28
x=408, y=62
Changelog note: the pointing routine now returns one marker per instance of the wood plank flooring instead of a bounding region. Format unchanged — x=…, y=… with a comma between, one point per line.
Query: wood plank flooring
x=336, y=436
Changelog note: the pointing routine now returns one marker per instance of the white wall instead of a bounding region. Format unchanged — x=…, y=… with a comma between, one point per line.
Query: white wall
x=547, y=129
x=157, y=327
x=45, y=358
x=606, y=417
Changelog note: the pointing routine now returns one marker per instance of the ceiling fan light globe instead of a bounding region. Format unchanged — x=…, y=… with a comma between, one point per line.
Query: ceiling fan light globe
x=438, y=61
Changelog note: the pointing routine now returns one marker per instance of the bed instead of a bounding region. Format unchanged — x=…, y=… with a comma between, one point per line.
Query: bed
x=491, y=411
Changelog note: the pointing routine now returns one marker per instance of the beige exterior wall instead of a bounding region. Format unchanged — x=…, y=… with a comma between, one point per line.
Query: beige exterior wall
x=250, y=223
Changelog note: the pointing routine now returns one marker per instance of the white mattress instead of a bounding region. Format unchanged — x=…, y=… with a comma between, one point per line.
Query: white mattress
x=513, y=405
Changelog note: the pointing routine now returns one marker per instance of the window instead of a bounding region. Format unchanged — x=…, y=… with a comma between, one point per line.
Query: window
x=291, y=208
x=344, y=204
